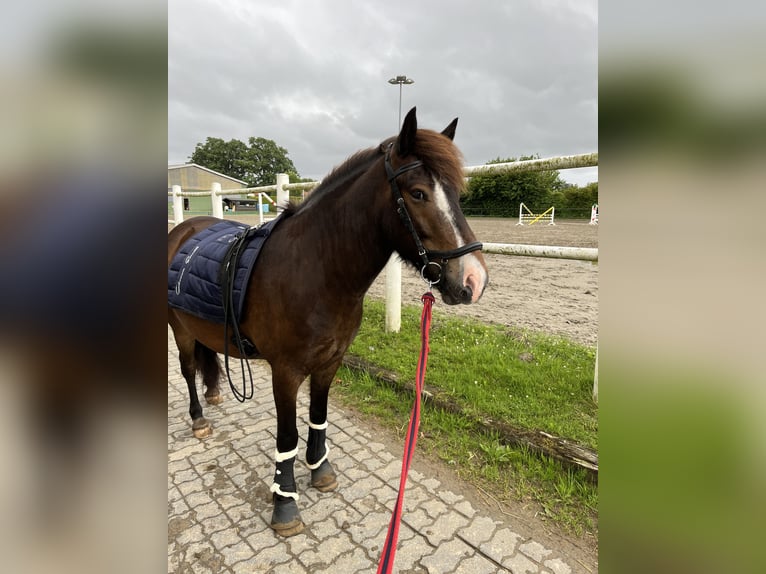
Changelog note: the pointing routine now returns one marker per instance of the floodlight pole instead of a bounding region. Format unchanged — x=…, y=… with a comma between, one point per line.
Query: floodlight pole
x=394, y=265
x=401, y=80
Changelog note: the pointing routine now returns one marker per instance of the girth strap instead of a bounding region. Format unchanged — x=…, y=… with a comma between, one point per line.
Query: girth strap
x=228, y=269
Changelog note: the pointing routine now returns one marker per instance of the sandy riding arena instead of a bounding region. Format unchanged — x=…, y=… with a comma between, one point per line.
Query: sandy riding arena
x=555, y=296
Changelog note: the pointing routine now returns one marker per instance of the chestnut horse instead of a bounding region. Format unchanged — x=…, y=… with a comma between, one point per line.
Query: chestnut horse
x=315, y=269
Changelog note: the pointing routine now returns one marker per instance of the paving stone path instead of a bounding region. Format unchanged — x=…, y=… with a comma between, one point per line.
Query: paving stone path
x=219, y=504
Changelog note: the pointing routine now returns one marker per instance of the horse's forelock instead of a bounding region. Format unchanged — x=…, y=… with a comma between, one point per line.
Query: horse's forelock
x=441, y=157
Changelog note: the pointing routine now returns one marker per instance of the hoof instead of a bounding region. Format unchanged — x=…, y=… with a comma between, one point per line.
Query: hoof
x=214, y=399
x=324, y=478
x=289, y=529
x=201, y=428
x=286, y=519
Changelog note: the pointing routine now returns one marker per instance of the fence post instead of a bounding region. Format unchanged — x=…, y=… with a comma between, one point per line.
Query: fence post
x=260, y=209
x=178, y=205
x=393, y=294
x=595, y=378
x=217, y=199
x=283, y=194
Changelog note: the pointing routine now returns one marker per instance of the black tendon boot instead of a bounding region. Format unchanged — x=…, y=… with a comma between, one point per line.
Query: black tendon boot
x=286, y=519
x=322, y=473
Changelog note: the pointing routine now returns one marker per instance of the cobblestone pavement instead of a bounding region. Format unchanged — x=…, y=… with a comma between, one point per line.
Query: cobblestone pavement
x=219, y=504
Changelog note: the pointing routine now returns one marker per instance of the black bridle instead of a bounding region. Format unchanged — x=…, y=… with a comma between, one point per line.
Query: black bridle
x=425, y=255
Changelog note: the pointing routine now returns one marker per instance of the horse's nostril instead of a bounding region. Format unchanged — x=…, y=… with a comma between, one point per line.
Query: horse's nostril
x=466, y=294
x=474, y=285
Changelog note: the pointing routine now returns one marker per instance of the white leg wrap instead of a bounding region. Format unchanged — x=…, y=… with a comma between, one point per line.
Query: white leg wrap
x=276, y=488
x=318, y=463
x=318, y=427
x=283, y=456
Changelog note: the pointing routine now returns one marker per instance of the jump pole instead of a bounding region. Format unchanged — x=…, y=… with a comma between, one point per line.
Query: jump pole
x=552, y=209
x=535, y=217
x=261, y=195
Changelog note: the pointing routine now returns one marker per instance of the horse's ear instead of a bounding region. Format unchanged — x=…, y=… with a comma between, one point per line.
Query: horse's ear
x=406, y=141
x=449, y=131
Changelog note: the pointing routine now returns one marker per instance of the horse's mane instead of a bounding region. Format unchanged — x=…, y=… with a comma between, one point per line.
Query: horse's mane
x=354, y=164
x=437, y=152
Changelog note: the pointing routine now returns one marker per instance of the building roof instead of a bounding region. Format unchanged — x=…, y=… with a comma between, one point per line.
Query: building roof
x=183, y=165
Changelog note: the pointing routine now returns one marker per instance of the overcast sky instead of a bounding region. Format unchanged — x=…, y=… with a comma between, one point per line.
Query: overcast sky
x=520, y=74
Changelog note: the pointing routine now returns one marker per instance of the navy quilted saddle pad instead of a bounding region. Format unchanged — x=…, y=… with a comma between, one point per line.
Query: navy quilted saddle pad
x=194, y=276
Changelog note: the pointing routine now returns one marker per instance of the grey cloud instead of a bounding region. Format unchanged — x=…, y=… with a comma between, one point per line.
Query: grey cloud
x=313, y=76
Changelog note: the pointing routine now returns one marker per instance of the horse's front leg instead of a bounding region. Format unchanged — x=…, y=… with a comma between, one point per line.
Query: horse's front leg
x=285, y=519
x=323, y=476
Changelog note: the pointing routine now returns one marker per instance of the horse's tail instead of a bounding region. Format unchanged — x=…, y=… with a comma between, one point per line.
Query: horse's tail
x=207, y=363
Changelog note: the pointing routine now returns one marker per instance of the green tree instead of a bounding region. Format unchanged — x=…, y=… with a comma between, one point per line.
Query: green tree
x=257, y=162
x=577, y=201
x=499, y=193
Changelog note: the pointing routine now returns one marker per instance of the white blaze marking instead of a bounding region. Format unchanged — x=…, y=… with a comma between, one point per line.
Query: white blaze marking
x=469, y=263
x=443, y=205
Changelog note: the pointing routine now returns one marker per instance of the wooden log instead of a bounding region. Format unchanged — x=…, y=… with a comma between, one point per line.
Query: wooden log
x=541, y=442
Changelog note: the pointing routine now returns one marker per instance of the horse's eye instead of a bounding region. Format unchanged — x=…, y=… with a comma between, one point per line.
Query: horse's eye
x=417, y=195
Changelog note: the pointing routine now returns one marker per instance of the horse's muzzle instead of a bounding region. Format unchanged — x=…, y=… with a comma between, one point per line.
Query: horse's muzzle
x=464, y=285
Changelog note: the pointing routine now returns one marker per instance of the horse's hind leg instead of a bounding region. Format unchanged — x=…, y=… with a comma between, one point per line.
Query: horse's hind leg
x=187, y=356
x=323, y=476
x=200, y=426
x=210, y=367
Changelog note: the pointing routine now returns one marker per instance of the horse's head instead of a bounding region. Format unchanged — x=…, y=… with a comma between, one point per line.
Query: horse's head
x=425, y=174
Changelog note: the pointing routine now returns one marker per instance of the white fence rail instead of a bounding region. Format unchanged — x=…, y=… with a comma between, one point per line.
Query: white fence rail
x=542, y=164
x=283, y=187
x=547, y=251
x=216, y=196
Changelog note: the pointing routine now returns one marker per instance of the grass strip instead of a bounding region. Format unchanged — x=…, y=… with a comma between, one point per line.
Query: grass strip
x=538, y=441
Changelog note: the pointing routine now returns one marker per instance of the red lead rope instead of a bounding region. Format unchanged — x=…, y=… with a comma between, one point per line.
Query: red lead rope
x=389, y=549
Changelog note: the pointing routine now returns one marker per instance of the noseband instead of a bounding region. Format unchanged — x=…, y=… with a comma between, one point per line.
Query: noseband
x=424, y=254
